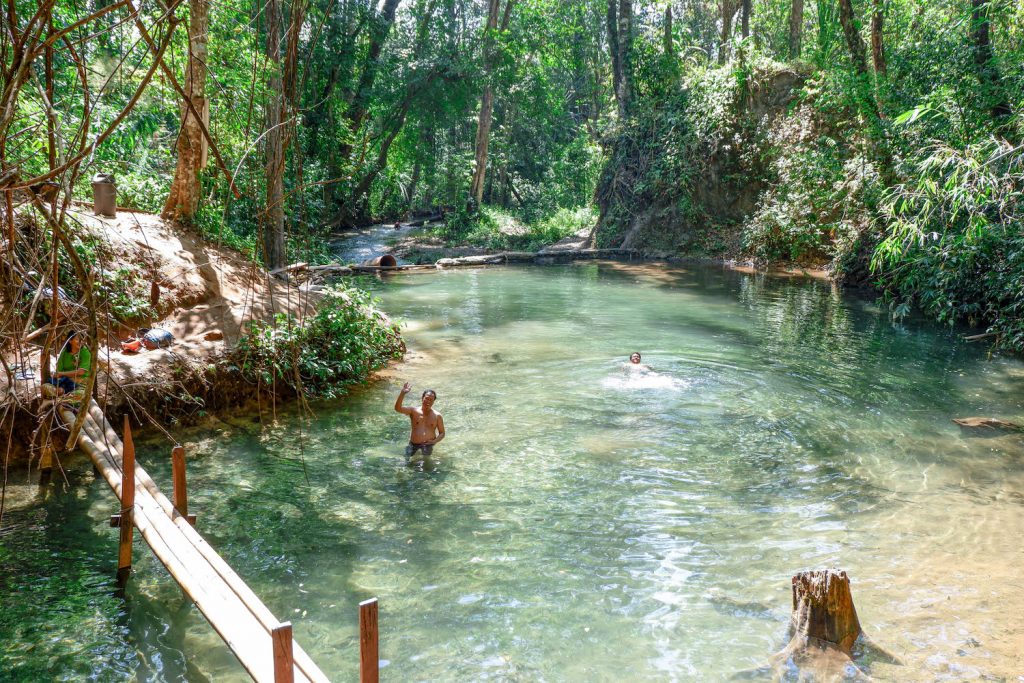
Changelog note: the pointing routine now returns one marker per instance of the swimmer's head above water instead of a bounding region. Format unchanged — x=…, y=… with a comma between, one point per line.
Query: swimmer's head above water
x=634, y=358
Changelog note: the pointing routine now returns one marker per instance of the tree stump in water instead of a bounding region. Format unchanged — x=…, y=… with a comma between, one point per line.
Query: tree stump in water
x=823, y=611
x=824, y=628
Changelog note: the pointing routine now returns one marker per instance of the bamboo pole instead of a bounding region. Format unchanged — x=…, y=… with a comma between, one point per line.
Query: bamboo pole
x=284, y=664
x=124, y=553
x=369, y=656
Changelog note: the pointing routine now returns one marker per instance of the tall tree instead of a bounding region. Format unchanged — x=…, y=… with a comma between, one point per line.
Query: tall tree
x=612, y=21
x=796, y=28
x=745, y=20
x=626, y=90
x=273, y=220
x=483, y=127
x=877, y=47
x=728, y=11
x=984, y=61
x=620, y=46
x=183, y=200
x=360, y=98
x=667, y=38
x=851, y=31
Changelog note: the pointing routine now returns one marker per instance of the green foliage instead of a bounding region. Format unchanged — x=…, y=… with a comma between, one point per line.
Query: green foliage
x=126, y=291
x=955, y=242
x=498, y=230
x=345, y=340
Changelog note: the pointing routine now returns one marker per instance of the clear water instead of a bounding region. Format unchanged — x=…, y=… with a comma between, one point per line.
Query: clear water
x=579, y=523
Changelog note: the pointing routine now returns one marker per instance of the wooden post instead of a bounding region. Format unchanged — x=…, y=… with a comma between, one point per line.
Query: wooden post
x=124, y=554
x=46, y=459
x=180, y=489
x=284, y=663
x=369, y=656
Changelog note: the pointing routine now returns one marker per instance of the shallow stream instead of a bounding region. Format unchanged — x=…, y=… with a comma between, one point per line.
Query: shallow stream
x=581, y=522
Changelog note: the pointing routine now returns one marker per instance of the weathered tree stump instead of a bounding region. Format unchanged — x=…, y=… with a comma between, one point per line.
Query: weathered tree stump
x=824, y=628
x=823, y=610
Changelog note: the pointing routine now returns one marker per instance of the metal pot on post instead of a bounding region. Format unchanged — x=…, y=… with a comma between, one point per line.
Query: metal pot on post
x=104, y=195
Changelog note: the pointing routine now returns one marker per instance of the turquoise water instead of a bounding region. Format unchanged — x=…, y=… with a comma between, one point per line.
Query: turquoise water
x=579, y=522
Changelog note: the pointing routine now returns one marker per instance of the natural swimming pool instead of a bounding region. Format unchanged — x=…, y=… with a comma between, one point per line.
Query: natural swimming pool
x=579, y=524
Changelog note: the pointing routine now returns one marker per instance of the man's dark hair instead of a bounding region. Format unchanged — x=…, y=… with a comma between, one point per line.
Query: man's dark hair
x=428, y=391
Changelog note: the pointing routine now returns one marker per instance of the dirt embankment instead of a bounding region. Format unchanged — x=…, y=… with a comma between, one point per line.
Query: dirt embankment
x=208, y=294
x=688, y=195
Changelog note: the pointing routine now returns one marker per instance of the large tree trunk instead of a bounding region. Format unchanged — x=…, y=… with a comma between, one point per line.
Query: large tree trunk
x=667, y=45
x=625, y=32
x=796, y=28
x=483, y=127
x=851, y=30
x=612, y=21
x=877, y=47
x=984, y=61
x=745, y=21
x=273, y=225
x=728, y=8
x=183, y=200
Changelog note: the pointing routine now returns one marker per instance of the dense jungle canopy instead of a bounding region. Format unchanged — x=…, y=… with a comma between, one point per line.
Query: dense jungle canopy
x=881, y=137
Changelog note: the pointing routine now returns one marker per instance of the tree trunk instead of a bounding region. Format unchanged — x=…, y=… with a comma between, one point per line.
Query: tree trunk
x=851, y=30
x=796, y=28
x=984, y=61
x=823, y=610
x=728, y=10
x=667, y=45
x=183, y=200
x=877, y=47
x=359, y=107
x=273, y=225
x=824, y=626
x=483, y=127
x=625, y=41
x=745, y=21
x=612, y=21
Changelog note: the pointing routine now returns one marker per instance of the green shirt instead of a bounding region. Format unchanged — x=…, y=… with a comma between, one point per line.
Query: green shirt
x=69, y=362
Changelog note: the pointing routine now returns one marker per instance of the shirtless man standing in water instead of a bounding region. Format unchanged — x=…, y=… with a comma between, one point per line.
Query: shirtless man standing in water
x=427, y=425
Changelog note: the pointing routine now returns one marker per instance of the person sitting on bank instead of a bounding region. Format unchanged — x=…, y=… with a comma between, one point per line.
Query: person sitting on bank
x=73, y=365
x=427, y=425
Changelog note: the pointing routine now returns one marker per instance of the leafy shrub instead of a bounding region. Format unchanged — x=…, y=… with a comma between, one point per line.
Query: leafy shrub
x=955, y=239
x=345, y=340
x=499, y=230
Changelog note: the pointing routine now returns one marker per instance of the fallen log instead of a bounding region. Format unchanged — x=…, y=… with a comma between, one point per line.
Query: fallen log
x=290, y=269
x=484, y=260
x=984, y=424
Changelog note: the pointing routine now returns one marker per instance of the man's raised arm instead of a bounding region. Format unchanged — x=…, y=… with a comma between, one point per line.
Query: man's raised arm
x=399, y=408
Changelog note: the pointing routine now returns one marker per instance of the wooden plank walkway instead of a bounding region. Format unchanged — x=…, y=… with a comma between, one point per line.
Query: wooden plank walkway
x=262, y=644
